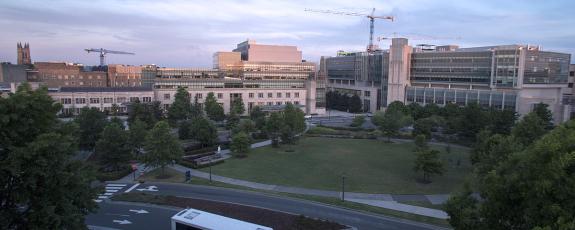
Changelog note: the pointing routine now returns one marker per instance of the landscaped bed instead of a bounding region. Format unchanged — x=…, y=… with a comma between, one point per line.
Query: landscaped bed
x=369, y=166
x=273, y=219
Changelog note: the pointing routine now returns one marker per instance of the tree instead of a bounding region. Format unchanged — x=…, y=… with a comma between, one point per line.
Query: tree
x=532, y=189
x=47, y=190
x=91, y=123
x=358, y=121
x=115, y=110
x=397, y=106
x=294, y=118
x=213, y=109
x=355, y=104
x=238, y=106
x=287, y=135
x=273, y=126
x=41, y=187
x=181, y=108
x=428, y=162
x=161, y=147
x=204, y=131
x=246, y=126
x=501, y=121
x=390, y=122
x=240, y=144
x=543, y=112
x=415, y=110
x=185, y=130
x=491, y=150
x=529, y=129
x=259, y=117
x=233, y=120
x=118, y=121
x=149, y=113
x=196, y=109
x=420, y=143
x=472, y=120
x=424, y=127
x=137, y=136
x=113, y=149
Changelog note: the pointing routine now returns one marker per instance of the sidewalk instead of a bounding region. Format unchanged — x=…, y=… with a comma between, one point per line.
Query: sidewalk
x=387, y=201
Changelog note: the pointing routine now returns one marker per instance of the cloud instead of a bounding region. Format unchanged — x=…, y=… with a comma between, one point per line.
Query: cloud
x=186, y=33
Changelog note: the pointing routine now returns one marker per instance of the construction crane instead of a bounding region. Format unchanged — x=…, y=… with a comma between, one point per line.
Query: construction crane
x=103, y=53
x=372, y=17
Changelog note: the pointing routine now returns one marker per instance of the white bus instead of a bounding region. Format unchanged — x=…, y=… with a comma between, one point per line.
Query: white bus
x=193, y=219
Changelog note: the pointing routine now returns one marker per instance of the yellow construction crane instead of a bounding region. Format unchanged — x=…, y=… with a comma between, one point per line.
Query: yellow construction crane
x=372, y=17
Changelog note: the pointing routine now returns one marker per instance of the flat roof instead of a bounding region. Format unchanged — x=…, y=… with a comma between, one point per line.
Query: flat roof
x=206, y=220
x=105, y=89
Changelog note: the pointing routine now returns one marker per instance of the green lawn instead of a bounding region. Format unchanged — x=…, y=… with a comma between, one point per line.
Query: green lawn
x=170, y=175
x=369, y=165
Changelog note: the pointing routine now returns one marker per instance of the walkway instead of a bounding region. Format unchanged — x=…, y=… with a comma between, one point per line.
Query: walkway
x=387, y=201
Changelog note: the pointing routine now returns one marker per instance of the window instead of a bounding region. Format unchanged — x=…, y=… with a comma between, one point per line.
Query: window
x=66, y=101
x=94, y=100
x=147, y=99
x=279, y=95
x=572, y=73
x=279, y=103
x=288, y=102
x=199, y=96
x=120, y=99
x=80, y=100
x=260, y=95
x=108, y=100
x=296, y=95
x=251, y=95
x=270, y=103
x=167, y=96
x=288, y=95
x=220, y=95
x=366, y=94
x=134, y=99
x=270, y=95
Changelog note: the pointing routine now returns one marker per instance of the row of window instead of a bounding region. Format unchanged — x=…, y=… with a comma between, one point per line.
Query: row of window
x=167, y=96
x=105, y=100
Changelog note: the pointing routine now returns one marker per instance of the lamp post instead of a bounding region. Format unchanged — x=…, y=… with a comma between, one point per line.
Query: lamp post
x=342, y=187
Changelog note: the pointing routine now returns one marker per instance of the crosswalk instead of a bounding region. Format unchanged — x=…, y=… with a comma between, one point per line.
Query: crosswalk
x=110, y=190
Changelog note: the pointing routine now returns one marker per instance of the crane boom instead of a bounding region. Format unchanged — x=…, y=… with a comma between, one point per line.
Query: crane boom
x=371, y=16
x=103, y=53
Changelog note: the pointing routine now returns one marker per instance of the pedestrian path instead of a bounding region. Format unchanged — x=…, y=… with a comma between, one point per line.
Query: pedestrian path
x=110, y=190
x=388, y=201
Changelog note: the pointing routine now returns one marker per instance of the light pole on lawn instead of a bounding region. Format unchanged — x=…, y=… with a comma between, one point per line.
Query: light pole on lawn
x=343, y=187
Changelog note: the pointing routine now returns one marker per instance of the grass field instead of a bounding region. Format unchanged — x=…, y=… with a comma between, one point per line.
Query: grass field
x=369, y=166
x=170, y=175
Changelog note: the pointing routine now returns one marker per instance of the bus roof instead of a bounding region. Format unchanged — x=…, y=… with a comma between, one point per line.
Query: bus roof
x=206, y=220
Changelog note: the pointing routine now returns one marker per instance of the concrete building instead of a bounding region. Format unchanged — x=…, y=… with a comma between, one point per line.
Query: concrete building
x=124, y=76
x=103, y=98
x=509, y=76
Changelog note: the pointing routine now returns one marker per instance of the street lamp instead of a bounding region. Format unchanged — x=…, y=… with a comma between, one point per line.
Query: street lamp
x=342, y=187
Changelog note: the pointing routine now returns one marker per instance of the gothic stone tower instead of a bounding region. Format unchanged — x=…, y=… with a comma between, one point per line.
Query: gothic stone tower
x=24, y=54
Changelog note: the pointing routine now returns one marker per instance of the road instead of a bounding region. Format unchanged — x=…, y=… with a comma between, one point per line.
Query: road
x=359, y=220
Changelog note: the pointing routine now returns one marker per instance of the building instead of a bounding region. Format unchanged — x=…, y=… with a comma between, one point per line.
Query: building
x=23, y=53
x=253, y=52
x=102, y=98
x=268, y=84
x=508, y=76
x=62, y=74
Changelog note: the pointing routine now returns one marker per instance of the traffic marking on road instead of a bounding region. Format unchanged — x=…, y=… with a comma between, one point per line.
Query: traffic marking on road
x=122, y=221
x=111, y=190
x=102, y=197
x=98, y=201
x=151, y=188
x=118, y=188
x=108, y=194
x=116, y=185
x=141, y=211
x=132, y=188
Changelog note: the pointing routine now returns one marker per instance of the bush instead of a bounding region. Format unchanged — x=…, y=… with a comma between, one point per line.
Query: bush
x=323, y=130
x=358, y=121
x=114, y=175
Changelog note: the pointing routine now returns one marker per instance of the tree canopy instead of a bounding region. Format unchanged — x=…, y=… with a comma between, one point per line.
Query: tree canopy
x=113, y=148
x=240, y=144
x=162, y=148
x=181, y=107
x=91, y=123
x=213, y=109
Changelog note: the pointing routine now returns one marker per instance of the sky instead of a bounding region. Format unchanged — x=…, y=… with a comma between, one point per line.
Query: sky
x=185, y=33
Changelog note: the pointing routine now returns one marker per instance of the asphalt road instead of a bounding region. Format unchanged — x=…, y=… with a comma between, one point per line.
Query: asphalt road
x=356, y=219
x=117, y=215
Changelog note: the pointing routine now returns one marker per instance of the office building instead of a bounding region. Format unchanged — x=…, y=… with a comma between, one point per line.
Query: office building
x=507, y=77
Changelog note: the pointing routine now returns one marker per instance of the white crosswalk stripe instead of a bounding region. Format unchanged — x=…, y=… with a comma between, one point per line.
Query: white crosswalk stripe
x=110, y=190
